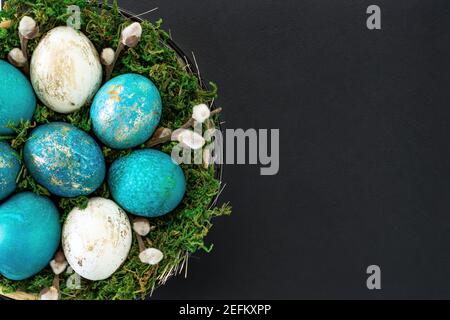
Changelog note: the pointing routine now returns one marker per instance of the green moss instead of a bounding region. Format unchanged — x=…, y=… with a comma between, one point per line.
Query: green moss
x=178, y=234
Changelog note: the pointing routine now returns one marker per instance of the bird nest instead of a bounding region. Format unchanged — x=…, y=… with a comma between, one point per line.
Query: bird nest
x=178, y=234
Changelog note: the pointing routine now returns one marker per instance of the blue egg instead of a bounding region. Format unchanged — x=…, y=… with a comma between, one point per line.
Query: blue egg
x=126, y=111
x=17, y=99
x=147, y=183
x=9, y=169
x=64, y=159
x=30, y=233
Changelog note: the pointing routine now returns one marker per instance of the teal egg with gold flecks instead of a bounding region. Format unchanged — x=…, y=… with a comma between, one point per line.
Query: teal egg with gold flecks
x=64, y=159
x=30, y=233
x=147, y=183
x=126, y=111
x=9, y=169
x=17, y=99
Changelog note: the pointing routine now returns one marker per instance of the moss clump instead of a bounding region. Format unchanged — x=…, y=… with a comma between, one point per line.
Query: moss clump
x=178, y=234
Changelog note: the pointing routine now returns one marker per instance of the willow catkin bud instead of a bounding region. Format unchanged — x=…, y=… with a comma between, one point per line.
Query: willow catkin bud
x=107, y=56
x=131, y=35
x=28, y=28
x=17, y=58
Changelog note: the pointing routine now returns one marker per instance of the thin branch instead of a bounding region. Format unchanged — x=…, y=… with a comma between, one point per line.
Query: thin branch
x=160, y=140
x=146, y=12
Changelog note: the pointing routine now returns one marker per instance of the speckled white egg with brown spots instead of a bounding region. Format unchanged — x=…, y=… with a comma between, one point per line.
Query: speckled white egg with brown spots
x=96, y=240
x=65, y=70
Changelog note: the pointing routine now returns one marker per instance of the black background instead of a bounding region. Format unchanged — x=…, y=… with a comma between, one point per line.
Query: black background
x=365, y=126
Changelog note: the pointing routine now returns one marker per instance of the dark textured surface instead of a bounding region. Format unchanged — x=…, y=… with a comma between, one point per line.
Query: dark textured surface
x=365, y=172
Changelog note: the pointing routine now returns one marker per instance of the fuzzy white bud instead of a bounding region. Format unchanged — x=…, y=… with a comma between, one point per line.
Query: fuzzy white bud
x=49, y=294
x=58, y=267
x=59, y=263
x=28, y=28
x=141, y=226
x=151, y=256
x=107, y=56
x=189, y=139
x=131, y=35
x=201, y=113
x=17, y=58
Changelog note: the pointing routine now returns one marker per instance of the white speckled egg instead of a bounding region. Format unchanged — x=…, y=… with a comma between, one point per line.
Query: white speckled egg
x=97, y=240
x=65, y=70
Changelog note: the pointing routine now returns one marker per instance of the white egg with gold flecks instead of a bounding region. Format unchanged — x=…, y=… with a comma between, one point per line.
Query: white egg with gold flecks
x=96, y=240
x=65, y=70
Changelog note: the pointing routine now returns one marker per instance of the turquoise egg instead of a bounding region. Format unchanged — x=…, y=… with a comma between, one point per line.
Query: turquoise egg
x=147, y=183
x=64, y=159
x=126, y=111
x=9, y=169
x=30, y=233
x=17, y=99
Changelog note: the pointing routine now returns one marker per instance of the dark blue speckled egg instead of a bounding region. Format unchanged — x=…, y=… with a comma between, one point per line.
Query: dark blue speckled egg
x=64, y=159
x=126, y=111
x=9, y=169
x=30, y=233
x=17, y=99
x=147, y=183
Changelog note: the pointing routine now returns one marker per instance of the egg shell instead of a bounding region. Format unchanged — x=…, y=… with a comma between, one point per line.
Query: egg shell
x=97, y=240
x=9, y=169
x=17, y=99
x=64, y=159
x=126, y=111
x=65, y=70
x=147, y=183
x=30, y=233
